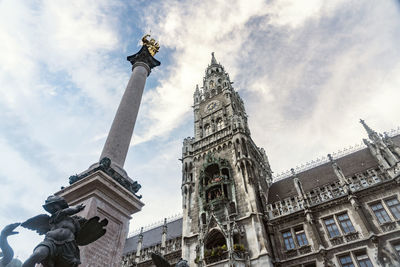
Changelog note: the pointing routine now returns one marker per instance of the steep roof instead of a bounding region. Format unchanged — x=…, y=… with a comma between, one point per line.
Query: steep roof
x=153, y=236
x=321, y=175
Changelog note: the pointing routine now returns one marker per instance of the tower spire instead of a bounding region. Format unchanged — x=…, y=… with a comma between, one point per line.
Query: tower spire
x=371, y=133
x=213, y=60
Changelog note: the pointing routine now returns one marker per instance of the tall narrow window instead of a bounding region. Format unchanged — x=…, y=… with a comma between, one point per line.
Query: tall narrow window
x=301, y=237
x=332, y=228
x=394, y=207
x=380, y=213
x=345, y=223
x=288, y=239
x=363, y=260
x=345, y=261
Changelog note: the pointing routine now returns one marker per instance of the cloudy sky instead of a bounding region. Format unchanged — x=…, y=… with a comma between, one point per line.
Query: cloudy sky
x=307, y=71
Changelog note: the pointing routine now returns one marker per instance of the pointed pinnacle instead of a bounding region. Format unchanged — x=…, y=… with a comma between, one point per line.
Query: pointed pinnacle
x=213, y=60
x=366, y=127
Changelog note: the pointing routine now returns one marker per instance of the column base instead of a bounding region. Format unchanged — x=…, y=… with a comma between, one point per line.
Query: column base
x=105, y=197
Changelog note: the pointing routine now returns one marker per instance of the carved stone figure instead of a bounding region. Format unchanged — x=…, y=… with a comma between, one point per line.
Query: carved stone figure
x=160, y=261
x=6, y=250
x=63, y=234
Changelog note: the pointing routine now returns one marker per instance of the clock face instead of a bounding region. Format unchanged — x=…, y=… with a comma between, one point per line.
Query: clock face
x=211, y=106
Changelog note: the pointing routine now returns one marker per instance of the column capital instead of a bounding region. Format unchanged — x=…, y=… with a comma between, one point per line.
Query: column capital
x=143, y=56
x=142, y=64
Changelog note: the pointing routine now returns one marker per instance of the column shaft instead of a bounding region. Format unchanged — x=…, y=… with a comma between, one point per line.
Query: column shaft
x=119, y=138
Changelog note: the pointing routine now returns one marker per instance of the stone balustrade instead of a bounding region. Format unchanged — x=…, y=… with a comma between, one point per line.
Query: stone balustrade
x=172, y=246
x=326, y=193
x=388, y=226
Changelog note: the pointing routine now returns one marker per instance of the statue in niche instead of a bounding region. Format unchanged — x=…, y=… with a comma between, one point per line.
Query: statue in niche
x=64, y=232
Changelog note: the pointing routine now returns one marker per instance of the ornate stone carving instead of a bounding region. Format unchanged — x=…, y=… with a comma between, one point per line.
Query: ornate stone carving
x=145, y=57
x=105, y=166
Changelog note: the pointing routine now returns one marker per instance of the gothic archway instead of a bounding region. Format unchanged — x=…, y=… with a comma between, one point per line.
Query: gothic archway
x=214, y=239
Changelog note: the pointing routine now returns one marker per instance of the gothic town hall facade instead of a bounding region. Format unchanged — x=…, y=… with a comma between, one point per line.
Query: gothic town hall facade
x=343, y=211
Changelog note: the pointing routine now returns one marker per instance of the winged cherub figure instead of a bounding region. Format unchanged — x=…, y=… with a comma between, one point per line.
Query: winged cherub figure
x=63, y=234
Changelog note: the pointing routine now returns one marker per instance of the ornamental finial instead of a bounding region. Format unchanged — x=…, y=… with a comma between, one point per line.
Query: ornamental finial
x=151, y=44
x=213, y=60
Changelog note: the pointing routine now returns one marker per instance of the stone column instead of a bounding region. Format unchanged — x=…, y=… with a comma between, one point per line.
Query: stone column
x=119, y=137
x=105, y=188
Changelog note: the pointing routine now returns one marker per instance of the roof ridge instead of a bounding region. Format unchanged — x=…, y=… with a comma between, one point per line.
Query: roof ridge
x=156, y=224
x=319, y=161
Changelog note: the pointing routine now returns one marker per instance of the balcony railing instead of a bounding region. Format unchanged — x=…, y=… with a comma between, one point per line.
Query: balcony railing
x=337, y=240
x=325, y=193
x=388, y=226
x=305, y=249
x=352, y=236
x=216, y=258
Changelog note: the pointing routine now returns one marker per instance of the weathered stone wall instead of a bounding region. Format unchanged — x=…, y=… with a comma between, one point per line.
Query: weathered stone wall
x=324, y=250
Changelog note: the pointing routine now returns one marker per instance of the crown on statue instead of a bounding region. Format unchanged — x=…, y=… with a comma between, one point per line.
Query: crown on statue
x=151, y=44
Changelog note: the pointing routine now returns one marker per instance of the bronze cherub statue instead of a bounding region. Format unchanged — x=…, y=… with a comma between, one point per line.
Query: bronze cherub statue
x=64, y=232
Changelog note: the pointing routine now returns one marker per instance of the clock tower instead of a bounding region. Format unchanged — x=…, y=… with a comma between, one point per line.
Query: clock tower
x=225, y=180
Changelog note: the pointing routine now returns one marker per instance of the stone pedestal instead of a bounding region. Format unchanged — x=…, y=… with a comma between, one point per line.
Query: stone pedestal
x=106, y=198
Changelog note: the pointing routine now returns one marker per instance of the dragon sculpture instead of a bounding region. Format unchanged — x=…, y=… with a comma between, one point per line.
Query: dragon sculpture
x=7, y=253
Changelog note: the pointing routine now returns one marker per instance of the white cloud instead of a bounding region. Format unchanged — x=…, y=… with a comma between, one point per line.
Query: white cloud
x=56, y=75
x=307, y=72
x=309, y=69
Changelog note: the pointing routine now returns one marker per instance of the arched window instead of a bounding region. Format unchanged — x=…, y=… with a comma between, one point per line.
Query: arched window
x=244, y=147
x=215, y=239
x=211, y=84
